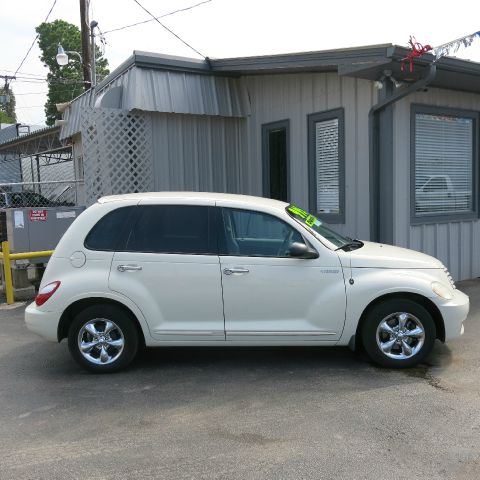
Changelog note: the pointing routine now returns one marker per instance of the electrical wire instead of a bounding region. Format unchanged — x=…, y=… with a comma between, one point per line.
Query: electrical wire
x=103, y=41
x=35, y=39
x=30, y=106
x=57, y=81
x=22, y=73
x=30, y=93
x=156, y=18
x=38, y=79
x=166, y=28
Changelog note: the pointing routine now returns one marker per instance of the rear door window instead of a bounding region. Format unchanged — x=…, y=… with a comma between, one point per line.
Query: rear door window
x=183, y=229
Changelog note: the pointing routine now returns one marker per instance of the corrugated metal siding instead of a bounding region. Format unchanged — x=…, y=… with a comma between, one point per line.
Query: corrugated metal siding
x=8, y=133
x=167, y=92
x=73, y=114
x=293, y=97
x=200, y=153
x=182, y=92
x=456, y=244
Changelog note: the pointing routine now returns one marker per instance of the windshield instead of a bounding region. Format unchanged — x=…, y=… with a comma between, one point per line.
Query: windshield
x=318, y=226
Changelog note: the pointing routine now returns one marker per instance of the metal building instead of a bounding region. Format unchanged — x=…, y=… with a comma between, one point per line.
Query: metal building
x=380, y=152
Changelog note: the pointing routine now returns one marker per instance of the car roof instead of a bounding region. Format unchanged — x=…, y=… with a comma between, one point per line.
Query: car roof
x=197, y=197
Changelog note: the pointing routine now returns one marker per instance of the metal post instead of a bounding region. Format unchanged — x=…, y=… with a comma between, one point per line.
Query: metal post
x=32, y=173
x=7, y=272
x=38, y=174
x=93, y=24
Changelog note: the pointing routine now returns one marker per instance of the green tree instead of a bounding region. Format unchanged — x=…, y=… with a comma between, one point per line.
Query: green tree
x=7, y=110
x=64, y=83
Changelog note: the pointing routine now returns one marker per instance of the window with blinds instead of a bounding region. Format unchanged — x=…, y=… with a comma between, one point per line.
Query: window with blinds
x=326, y=160
x=443, y=156
x=327, y=164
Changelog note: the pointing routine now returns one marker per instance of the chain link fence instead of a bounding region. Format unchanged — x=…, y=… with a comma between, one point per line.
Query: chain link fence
x=38, y=181
x=34, y=182
x=39, y=194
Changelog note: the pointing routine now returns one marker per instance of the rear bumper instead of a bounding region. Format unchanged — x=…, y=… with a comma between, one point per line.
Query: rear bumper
x=44, y=324
x=454, y=313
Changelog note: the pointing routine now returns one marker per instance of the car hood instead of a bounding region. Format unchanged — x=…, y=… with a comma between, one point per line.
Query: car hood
x=379, y=255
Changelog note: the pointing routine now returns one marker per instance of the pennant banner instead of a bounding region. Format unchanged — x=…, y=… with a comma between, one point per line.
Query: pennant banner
x=454, y=46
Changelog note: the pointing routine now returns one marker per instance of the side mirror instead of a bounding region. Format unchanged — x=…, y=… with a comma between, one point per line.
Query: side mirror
x=300, y=250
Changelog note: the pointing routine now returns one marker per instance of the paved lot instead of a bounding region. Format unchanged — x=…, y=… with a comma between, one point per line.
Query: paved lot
x=272, y=413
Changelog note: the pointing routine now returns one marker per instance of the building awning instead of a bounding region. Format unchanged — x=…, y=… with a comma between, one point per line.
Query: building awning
x=164, y=91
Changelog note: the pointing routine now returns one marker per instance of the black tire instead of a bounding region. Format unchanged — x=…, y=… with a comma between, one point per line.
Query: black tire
x=389, y=311
x=123, y=331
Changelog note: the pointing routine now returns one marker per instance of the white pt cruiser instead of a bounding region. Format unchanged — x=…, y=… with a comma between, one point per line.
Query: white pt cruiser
x=163, y=269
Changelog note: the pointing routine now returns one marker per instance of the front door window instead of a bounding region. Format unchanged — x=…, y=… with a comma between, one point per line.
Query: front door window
x=257, y=234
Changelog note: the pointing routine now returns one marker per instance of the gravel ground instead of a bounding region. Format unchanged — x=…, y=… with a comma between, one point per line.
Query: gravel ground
x=239, y=413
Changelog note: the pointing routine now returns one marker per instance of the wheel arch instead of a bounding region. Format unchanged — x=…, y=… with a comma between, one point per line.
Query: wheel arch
x=79, y=305
x=423, y=301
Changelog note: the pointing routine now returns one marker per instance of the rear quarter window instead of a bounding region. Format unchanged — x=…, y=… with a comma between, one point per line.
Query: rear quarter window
x=111, y=231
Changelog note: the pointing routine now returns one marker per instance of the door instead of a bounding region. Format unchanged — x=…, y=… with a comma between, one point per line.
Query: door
x=275, y=140
x=170, y=268
x=269, y=296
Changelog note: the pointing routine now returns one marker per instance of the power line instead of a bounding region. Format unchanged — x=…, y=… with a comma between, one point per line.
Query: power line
x=39, y=79
x=35, y=39
x=22, y=73
x=156, y=18
x=29, y=106
x=29, y=93
x=57, y=81
x=35, y=82
x=166, y=28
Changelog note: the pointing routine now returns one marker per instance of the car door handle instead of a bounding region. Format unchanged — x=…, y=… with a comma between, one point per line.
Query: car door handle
x=128, y=268
x=231, y=271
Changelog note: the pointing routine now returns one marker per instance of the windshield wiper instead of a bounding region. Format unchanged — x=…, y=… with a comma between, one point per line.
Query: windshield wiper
x=352, y=245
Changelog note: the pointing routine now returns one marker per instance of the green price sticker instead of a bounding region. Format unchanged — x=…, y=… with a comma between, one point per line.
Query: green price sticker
x=298, y=211
x=310, y=220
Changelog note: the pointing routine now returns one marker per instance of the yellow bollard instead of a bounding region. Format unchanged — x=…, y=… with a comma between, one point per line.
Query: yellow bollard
x=8, y=272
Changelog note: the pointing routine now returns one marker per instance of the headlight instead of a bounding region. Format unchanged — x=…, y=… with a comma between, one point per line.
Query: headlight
x=441, y=290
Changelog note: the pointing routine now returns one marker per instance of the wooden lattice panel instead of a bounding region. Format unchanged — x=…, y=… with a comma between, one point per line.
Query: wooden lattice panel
x=117, y=153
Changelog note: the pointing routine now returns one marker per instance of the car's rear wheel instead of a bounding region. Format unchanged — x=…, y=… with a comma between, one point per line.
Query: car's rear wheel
x=398, y=333
x=103, y=338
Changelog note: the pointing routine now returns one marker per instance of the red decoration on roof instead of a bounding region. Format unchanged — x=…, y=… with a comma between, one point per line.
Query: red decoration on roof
x=417, y=51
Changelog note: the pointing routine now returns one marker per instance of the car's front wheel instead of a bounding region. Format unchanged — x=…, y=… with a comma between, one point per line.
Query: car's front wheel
x=103, y=338
x=398, y=333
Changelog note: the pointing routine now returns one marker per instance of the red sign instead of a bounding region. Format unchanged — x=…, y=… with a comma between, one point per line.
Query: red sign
x=37, y=215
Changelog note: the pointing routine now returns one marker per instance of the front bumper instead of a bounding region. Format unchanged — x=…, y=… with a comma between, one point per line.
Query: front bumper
x=42, y=323
x=454, y=313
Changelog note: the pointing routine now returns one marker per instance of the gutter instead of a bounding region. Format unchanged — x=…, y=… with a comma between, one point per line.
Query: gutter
x=374, y=143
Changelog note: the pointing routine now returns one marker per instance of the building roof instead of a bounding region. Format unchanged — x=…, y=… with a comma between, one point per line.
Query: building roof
x=38, y=142
x=168, y=84
x=8, y=133
x=364, y=62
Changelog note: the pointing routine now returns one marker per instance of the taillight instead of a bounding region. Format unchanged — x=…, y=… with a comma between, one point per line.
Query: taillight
x=46, y=292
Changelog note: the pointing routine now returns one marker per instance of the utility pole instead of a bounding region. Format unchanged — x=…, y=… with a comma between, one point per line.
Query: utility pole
x=85, y=31
x=5, y=97
x=93, y=25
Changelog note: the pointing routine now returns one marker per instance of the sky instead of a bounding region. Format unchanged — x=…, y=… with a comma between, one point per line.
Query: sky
x=228, y=28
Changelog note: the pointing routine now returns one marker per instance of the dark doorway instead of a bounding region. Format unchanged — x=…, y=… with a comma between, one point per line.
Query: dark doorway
x=276, y=146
